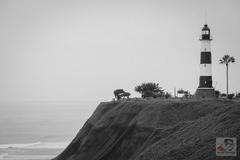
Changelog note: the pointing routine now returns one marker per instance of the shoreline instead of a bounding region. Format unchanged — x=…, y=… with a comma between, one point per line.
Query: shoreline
x=31, y=151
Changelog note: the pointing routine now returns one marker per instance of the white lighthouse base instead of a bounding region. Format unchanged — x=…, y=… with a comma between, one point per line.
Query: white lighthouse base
x=205, y=93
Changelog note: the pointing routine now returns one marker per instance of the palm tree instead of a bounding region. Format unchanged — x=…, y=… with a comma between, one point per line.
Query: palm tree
x=226, y=59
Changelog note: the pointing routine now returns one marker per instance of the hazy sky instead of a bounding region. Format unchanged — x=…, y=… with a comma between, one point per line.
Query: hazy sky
x=83, y=50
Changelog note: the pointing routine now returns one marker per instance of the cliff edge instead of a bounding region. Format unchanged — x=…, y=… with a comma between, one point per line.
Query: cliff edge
x=156, y=130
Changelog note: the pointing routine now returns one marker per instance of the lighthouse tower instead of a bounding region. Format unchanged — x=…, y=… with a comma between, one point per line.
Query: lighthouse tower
x=205, y=88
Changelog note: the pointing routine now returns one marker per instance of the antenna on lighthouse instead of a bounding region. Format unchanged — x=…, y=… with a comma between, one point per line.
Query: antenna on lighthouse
x=205, y=16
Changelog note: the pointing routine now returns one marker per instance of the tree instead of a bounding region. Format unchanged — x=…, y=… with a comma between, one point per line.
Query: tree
x=117, y=93
x=149, y=89
x=226, y=59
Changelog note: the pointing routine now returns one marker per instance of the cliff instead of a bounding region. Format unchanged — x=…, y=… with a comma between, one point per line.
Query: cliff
x=155, y=130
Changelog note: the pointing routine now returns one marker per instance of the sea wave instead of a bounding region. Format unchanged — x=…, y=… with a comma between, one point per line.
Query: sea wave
x=3, y=155
x=25, y=157
x=36, y=145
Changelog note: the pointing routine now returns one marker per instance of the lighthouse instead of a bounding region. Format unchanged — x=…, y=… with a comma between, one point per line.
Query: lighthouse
x=205, y=88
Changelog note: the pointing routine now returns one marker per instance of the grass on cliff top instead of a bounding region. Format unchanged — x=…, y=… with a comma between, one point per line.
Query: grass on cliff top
x=175, y=100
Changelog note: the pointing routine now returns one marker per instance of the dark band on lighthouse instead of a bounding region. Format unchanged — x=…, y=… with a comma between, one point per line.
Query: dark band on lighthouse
x=205, y=82
x=206, y=58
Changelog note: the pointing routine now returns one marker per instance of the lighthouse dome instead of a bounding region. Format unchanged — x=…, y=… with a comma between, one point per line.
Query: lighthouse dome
x=205, y=28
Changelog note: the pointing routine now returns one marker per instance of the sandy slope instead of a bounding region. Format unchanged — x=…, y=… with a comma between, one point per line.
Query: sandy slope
x=156, y=130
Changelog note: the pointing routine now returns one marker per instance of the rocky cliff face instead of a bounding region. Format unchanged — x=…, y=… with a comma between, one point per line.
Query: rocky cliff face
x=155, y=130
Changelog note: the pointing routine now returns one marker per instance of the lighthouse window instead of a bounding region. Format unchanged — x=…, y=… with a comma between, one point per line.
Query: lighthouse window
x=205, y=32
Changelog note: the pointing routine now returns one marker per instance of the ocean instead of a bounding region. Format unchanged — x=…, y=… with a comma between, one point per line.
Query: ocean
x=40, y=130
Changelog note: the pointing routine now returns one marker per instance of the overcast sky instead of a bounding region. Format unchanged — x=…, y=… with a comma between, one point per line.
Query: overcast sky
x=84, y=49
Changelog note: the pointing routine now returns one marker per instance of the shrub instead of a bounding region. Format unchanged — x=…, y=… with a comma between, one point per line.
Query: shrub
x=230, y=96
x=149, y=90
x=238, y=95
x=168, y=95
x=217, y=93
x=223, y=95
